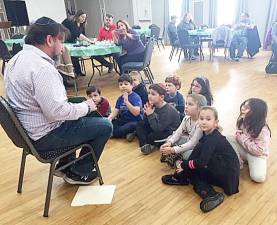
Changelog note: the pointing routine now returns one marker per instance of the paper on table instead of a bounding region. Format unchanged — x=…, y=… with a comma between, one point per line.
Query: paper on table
x=93, y=195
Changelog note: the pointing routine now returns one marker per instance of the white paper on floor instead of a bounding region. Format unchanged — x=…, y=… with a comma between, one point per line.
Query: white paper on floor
x=93, y=195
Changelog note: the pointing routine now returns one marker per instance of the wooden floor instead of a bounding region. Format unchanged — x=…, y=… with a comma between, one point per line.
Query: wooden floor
x=140, y=197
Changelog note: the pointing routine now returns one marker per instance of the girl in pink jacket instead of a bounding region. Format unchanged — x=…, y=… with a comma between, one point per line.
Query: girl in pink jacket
x=252, y=137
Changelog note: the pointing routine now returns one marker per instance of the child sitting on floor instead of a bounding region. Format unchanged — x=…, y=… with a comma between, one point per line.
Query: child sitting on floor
x=201, y=85
x=160, y=120
x=185, y=138
x=252, y=137
x=102, y=103
x=213, y=161
x=139, y=87
x=128, y=110
x=173, y=96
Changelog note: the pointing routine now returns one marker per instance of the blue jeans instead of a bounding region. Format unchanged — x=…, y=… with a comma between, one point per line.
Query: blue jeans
x=239, y=43
x=94, y=131
x=274, y=51
x=121, y=128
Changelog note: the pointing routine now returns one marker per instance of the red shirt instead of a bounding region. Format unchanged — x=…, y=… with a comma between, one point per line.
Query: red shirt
x=104, y=107
x=106, y=34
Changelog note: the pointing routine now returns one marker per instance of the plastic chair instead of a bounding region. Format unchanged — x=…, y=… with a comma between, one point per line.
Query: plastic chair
x=155, y=34
x=174, y=45
x=19, y=137
x=142, y=66
x=186, y=44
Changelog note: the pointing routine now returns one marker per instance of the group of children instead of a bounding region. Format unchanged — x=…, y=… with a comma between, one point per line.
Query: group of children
x=188, y=135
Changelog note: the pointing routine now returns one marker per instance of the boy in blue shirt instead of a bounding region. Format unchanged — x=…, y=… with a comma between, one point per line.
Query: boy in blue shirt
x=173, y=96
x=128, y=110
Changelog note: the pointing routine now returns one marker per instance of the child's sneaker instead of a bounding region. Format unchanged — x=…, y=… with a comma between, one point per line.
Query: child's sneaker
x=131, y=136
x=211, y=202
x=147, y=149
x=173, y=179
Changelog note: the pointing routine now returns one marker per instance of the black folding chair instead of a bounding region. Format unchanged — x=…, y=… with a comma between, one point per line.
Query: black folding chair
x=142, y=66
x=155, y=34
x=19, y=137
x=187, y=44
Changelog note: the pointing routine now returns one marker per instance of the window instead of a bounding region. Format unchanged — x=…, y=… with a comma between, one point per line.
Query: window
x=226, y=11
x=175, y=9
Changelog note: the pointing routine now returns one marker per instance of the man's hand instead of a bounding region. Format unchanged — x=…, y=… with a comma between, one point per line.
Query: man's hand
x=91, y=104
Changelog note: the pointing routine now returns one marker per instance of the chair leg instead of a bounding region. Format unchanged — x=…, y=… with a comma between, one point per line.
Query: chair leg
x=3, y=66
x=177, y=51
x=83, y=66
x=171, y=53
x=151, y=74
x=97, y=167
x=147, y=74
x=158, y=45
x=180, y=54
x=162, y=44
x=21, y=173
x=49, y=190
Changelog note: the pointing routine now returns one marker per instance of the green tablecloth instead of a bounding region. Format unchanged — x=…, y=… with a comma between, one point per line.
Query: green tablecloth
x=206, y=32
x=10, y=42
x=100, y=48
x=145, y=31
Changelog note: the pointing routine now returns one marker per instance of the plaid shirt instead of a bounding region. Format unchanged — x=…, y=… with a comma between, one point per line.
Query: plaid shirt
x=35, y=90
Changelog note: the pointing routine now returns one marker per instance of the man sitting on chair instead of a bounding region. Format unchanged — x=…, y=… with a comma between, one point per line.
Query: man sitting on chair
x=35, y=91
x=239, y=40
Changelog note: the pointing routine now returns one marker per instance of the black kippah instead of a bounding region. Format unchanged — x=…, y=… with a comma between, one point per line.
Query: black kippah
x=44, y=21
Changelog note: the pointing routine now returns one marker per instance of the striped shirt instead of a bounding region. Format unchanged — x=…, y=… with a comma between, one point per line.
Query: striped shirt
x=36, y=92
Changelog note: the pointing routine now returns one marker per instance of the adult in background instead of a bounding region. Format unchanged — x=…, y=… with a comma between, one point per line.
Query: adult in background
x=76, y=26
x=36, y=92
x=130, y=42
x=239, y=40
x=105, y=34
x=188, y=24
x=172, y=31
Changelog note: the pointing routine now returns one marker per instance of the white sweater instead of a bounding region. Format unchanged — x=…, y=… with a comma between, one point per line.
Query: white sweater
x=190, y=129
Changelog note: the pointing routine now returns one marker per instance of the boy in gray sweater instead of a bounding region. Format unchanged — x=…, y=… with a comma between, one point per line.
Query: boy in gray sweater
x=160, y=120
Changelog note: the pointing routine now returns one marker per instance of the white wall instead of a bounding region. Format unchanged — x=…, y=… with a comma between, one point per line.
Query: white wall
x=258, y=14
x=55, y=9
x=92, y=8
x=142, y=12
